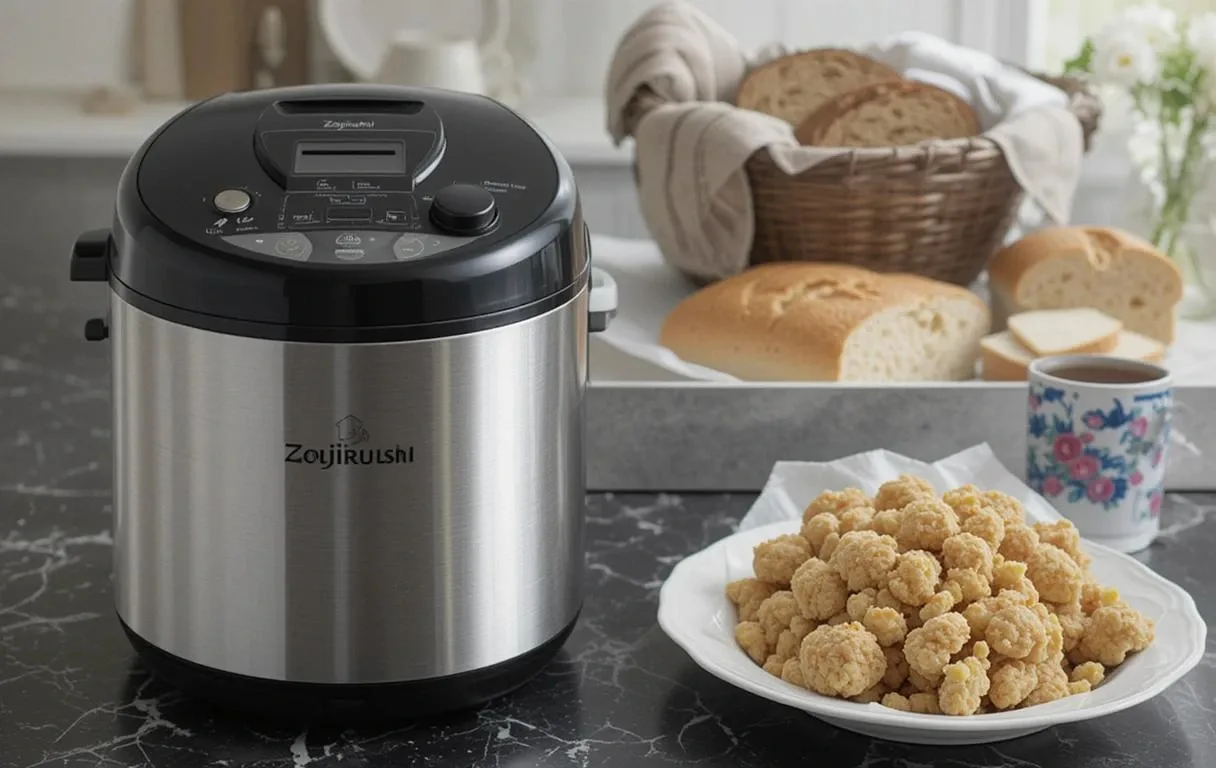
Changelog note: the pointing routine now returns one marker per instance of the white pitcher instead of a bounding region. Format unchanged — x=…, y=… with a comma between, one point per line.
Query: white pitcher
x=417, y=57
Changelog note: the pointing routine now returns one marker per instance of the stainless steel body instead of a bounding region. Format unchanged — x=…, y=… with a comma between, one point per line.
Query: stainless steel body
x=349, y=513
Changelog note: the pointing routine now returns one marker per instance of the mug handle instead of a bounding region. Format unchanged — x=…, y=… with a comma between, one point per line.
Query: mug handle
x=1163, y=426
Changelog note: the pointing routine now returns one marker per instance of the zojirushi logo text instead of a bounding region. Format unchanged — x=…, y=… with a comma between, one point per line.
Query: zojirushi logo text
x=335, y=455
x=349, y=451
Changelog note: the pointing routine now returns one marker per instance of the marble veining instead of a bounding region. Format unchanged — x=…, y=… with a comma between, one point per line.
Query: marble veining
x=618, y=694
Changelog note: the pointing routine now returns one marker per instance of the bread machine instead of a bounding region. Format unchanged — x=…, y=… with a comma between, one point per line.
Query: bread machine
x=349, y=330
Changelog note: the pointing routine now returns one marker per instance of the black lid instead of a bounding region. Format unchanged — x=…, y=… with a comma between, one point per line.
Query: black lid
x=348, y=213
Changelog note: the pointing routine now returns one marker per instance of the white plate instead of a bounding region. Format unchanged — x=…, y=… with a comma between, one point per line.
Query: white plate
x=694, y=612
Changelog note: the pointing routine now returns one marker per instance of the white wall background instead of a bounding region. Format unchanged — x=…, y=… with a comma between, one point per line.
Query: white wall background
x=64, y=44
x=77, y=44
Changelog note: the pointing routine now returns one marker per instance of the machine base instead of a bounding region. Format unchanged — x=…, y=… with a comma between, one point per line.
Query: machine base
x=266, y=699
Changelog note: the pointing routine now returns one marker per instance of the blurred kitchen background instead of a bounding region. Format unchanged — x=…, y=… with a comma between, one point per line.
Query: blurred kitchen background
x=83, y=82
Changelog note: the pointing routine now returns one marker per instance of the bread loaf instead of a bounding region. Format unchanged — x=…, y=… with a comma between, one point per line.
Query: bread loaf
x=885, y=114
x=800, y=321
x=1098, y=267
x=792, y=87
x=1004, y=359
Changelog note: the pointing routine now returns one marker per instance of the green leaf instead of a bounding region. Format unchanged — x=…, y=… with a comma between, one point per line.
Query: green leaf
x=1178, y=64
x=1173, y=101
x=1083, y=62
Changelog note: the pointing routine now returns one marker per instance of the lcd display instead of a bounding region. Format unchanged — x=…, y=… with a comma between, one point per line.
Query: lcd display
x=350, y=158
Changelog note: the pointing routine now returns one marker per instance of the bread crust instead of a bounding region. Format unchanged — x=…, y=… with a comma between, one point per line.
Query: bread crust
x=791, y=321
x=828, y=124
x=791, y=87
x=1012, y=263
x=1016, y=281
x=1016, y=259
x=996, y=366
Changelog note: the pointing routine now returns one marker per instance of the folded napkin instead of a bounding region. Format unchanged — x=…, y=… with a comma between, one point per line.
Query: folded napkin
x=691, y=152
x=994, y=90
x=681, y=53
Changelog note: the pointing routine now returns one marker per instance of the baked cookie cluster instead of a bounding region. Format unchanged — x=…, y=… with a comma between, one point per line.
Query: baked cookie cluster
x=949, y=605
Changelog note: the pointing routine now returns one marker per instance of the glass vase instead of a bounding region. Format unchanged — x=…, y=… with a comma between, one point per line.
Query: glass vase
x=1194, y=251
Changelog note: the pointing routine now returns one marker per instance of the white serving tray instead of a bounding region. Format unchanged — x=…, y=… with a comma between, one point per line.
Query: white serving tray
x=654, y=427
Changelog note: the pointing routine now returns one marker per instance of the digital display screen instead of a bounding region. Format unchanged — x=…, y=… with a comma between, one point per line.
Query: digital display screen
x=350, y=158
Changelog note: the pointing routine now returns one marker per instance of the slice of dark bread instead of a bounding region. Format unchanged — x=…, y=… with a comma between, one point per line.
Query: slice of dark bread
x=793, y=87
x=887, y=115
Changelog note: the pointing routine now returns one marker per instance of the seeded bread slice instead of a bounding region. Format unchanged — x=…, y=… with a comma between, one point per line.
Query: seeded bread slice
x=887, y=115
x=793, y=87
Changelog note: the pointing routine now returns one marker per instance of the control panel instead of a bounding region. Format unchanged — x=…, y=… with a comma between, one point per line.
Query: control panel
x=312, y=210
x=352, y=180
x=352, y=246
x=354, y=227
x=345, y=213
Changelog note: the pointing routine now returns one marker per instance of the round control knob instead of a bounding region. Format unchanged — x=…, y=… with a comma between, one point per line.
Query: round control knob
x=232, y=201
x=463, y=209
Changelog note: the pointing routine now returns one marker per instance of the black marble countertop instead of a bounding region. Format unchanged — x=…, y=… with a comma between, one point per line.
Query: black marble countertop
x=618, y=694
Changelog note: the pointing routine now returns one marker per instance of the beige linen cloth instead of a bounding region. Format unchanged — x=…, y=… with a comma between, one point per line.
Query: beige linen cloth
x=694, y=191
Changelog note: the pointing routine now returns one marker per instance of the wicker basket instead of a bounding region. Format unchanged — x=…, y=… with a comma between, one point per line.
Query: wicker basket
x=939, y=211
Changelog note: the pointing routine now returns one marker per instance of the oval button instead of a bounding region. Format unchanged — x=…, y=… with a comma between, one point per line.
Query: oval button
x=408, y=248
x=293, y=246
x=232, y=201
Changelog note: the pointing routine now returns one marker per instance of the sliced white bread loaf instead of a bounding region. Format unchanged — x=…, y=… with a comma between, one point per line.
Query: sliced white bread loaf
x=800, y=321
x=1083, y=331
x=1098, y=267
x=1004, y=359
x=791, y=87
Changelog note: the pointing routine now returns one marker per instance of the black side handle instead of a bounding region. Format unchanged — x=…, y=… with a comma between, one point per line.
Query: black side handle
x=91, y=264
x=90, y=257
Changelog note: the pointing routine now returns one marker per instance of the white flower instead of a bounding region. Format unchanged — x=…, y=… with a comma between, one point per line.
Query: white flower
x=1124, y=58
x=1158, y=26
x=1201, y=37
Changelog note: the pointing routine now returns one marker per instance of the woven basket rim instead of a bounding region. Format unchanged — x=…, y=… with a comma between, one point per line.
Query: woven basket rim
x=908, y=152
x=1083, y=103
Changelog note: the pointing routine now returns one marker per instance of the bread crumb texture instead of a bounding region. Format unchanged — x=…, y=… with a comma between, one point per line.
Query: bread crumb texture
x=793, y=87
x=935, y=614
x=889, y=114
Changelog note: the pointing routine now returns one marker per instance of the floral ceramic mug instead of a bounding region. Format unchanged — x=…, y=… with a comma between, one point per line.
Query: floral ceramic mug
x=1096, y=439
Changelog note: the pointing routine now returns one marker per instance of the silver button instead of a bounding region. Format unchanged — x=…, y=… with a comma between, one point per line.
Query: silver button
x=232, y=201
x=408, y=248
x=293, y=246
